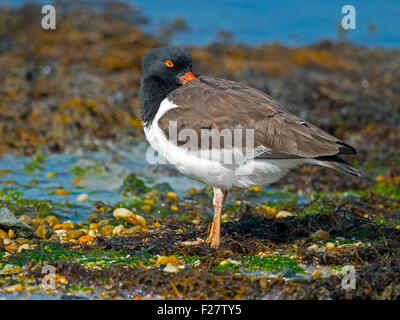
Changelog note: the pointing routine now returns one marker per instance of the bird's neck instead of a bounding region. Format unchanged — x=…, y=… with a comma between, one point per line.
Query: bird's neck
x=152, y=92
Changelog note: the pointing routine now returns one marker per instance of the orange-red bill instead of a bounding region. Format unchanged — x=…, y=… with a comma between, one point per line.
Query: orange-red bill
x=187, y=77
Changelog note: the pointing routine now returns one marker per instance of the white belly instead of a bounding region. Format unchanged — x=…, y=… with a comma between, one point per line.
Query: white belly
x=210, y=170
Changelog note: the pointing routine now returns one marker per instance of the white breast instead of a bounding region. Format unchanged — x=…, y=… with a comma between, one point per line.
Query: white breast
x=211, y=170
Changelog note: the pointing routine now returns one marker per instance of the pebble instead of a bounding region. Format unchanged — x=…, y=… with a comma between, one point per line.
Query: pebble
x=106, y=230
x=135, y=219
x=3, y=234
x=118, y=230
x=9, y=269
x=11, y=234
x=85, y=239
x=284, y=214
x=172, y=195
x=76, y=180
x=82, y=197
x=174, y=208
x=172, y=260
x=42, y=232
x=66, y=225
x=14, y=288
x=27, y=219
x=170, y=268
x=62, y=192
x=75, y=234
x=24, y=247
x=51, y=221
x=51, y=174
x=256, y=188
x=330, y=245
x=320, y=235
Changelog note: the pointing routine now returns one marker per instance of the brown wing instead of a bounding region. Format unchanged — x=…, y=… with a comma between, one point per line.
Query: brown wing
x=211, y=103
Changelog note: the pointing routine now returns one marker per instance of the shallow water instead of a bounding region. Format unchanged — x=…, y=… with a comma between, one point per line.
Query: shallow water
x=103, y=173
x=102, y=180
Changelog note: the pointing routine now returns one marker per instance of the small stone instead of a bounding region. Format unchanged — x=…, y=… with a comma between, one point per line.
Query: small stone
x=12, y=247
x=170, y=268
x=122, y=213
x=11, y=234
x=117, y=231
x=9, y=269
x=135, y=219
x=76, y=180
x=51, y=174
x=172, y=195
x=51, y=221
x=14, y=288
x=3, y=234
x=314, y=247
x=42, y=232
x=320, y=235
x=94, y=226
x=284, y=214
x=61, y=279
x=172, y=260
x=25, y=218
x=75, y=234
x=145, y=207
x=256, y=188
x=86, y=239
x=330, y=245
x=24, y=247
x=133, y=230
x=82, y=197
x=68, y=225
x=106, y=230
x=62, y=192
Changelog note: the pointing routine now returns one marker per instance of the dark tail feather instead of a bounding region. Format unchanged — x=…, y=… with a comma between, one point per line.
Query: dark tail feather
x=337, y=163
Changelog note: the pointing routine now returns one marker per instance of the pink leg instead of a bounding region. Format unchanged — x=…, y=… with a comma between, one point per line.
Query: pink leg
x=218, y=202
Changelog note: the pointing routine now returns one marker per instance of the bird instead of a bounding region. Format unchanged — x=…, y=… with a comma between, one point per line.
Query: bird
x=177, y=106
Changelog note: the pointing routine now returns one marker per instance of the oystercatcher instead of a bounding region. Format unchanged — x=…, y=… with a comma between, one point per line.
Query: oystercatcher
x=178, y=107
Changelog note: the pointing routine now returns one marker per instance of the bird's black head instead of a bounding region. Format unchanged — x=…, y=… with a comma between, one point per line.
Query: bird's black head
x=164, y=70
x=169, y=64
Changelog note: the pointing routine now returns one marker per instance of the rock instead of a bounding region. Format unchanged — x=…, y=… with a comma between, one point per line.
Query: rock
x=162, y=187
x=330, y=245
x=170, y=268
x=106, y=230
x=75, y=234
x=284, y=214
x=118, y=230
x=9, y=221
x=172, y=260
x=24, y=247
x=85, y=239
x=42, y=232
x=14, y=288
x=135, y=219
x=62, y=192
x=27, y=219
x=82, y=197
x=9, y=269
x=172, y=195
x=3, y=234
x=320, y=235
x=51, y=221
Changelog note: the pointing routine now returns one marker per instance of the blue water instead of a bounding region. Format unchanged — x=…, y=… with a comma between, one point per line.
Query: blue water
x=291, y=22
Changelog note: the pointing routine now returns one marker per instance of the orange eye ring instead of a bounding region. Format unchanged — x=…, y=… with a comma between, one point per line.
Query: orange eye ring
x=169, y=63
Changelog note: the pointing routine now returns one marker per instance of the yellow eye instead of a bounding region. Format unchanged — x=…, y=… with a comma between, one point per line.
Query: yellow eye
x=169, y=63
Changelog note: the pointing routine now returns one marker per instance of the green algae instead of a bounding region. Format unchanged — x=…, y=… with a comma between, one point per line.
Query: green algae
x=35, y=164
x=52, y=252
x=253, y=263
